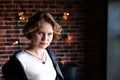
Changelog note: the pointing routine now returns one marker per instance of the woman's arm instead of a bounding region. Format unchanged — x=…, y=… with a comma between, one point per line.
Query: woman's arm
x=13, y=70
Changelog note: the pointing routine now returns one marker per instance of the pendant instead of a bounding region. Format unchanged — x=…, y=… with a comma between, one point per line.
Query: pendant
x=43, y=62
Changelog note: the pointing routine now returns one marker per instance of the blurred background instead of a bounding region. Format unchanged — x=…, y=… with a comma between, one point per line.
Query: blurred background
x=113, y=54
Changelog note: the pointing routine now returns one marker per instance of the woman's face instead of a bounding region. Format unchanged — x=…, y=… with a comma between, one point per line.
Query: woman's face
x=43, y=36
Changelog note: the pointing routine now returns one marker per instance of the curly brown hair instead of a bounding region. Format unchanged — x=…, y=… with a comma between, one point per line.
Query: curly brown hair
x=35, y=21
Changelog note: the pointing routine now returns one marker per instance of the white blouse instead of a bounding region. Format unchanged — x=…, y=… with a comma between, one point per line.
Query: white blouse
x=34, y=69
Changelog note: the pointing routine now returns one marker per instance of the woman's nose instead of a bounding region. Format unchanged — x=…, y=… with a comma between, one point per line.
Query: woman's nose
x=44, y=38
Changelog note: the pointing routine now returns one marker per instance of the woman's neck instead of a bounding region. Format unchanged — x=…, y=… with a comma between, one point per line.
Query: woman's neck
x=36, y=50
x=38, y=53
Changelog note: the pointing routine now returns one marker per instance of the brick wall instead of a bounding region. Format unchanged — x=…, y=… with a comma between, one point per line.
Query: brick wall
x=85, y=27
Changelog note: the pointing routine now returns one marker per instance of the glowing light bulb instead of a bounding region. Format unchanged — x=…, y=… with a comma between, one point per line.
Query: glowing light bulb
x=16, y=42
x=65, y=15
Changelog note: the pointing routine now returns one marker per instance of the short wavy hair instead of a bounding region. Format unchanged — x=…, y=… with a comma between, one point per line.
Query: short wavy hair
x=35, y=21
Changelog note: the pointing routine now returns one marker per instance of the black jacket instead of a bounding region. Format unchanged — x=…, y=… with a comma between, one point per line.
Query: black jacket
x=13, y=70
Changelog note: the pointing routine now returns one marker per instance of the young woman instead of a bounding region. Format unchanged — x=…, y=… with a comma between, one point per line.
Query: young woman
x=37, y=62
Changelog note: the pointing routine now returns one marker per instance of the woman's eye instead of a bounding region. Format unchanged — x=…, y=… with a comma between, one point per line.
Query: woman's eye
x=50, y=34
x=40, y=33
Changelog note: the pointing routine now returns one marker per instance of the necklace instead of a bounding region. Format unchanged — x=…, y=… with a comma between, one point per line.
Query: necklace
x=42, y=58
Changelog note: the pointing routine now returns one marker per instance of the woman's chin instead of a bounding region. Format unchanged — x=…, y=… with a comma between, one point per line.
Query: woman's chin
x=43, y=47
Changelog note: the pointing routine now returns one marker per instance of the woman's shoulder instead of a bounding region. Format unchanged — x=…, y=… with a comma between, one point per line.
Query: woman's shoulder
x=18, y=52
x=12, y=60
x=50, y=51
x=13, y=66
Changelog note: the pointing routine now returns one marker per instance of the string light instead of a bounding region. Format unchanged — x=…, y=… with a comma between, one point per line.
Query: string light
x=21, y=13
x=65, y=15
x=16, y=42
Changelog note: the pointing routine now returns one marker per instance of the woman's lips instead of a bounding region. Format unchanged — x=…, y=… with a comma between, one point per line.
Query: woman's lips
x=43, y=43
